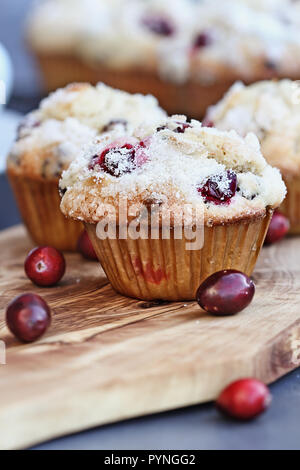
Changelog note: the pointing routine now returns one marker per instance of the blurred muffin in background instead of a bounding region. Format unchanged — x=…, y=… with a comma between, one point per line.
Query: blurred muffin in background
x=49, y=139
x=185, y=52
x=270, y=109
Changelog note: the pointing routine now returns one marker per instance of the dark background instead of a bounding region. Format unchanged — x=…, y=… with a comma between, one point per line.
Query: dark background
x=198, y=427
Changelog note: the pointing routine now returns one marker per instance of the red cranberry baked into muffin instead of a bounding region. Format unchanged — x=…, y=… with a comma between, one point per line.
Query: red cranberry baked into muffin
x=187, y=53
x=270, y=109
x=166, y=209
x=49, y=139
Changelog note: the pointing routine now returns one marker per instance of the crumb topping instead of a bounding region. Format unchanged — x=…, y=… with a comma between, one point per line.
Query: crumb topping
x=270, y=109
x=219, y=172
x=70, y=118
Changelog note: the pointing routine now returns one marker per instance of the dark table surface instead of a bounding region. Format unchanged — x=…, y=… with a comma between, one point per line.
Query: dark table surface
x=199, y=427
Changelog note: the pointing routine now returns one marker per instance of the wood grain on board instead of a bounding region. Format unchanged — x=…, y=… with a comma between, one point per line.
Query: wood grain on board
x=106, y=358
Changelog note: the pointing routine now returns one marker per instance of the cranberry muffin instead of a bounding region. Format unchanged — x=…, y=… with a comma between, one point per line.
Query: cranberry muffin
x=270, y=109
x=166, y=209
x=49, y=139
x=186, y=53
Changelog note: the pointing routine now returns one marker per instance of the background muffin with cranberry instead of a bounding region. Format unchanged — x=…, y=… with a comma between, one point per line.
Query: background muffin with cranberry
x=270, y=109
x=187, y=53
x=50, y=138
x=218, y=179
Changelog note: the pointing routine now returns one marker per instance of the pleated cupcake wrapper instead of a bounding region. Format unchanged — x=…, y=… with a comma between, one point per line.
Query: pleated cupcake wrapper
x=165, y=269
x=39, y=204
x=291, y=205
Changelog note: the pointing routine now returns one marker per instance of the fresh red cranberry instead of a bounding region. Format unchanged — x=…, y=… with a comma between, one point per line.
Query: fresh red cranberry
x=115, y=161
x=28, y=317
x=202, y=40
x=244, y=399
x=85, y=247
x=45, y=266
x=226, y=293
x=159, y=25
x=278, y=228
x=220, y=189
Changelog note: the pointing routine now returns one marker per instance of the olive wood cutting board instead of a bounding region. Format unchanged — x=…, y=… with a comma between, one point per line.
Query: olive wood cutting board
x=107, y=358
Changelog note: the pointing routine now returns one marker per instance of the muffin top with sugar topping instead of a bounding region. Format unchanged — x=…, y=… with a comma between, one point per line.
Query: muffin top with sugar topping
x=49, y=138
x=270, y=109
x=181, y=163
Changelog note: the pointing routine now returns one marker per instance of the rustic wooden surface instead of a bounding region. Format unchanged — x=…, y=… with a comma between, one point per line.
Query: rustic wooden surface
x=107, y=358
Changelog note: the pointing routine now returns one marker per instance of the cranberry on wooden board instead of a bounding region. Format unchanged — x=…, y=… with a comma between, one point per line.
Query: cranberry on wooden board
x=85, y=247
x=28, y=317
x=226, y=293
x=45, y=266
x=244, y=399
x=278, y=228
